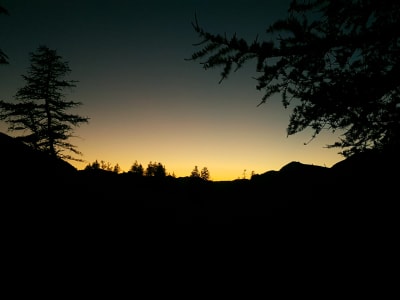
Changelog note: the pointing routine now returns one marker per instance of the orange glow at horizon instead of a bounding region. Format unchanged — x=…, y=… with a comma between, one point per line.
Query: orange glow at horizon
x=225, y=149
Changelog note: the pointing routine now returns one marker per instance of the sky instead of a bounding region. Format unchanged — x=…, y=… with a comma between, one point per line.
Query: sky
x=145, y=101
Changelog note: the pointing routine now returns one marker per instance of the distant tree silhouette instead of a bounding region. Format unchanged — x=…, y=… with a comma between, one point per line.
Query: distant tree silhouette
x=3, y=56
x=41, y=111
x=150, y=170
x=117, y=169
x=106, y=166
x=336, y=61
x=155, y=169
x=160, y=170
x=195, y=172
x=137, y=169
x=103, y=165
x=205, y=174
x=93, y=166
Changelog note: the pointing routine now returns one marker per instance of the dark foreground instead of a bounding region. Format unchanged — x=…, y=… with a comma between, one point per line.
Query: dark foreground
x=38, y=189
x=98, y=197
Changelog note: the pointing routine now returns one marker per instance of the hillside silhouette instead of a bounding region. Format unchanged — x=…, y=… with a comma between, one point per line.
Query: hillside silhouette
x=35, y=184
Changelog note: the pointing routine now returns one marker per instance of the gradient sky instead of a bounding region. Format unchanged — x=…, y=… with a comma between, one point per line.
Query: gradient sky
x=145, y=102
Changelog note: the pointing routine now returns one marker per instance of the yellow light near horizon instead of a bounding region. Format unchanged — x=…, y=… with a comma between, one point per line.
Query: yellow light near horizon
x=223, y=164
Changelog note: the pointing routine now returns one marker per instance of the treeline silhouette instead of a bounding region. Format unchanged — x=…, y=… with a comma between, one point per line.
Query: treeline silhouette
x=156, y=169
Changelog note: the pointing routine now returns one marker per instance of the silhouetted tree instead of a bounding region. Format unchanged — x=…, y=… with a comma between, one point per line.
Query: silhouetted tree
x=137, y=169
x=41, y=109
x=155, y=169
x=117, y=168
x=94, y=166
x=195, y=172
x=3, y=56
x=336, y=61
x=150, y=170
x=160, y=170
x=105, y=166
x=205, y=174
